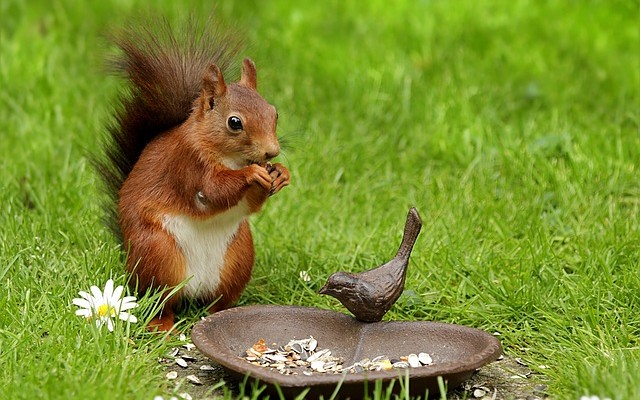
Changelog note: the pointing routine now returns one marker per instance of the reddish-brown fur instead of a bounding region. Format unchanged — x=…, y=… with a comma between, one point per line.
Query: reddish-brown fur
x=199, y=168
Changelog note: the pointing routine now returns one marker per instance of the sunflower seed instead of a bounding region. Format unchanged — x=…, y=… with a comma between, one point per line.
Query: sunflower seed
x=413, y=360
x=171, y=375
x=478, y=393
x=330, y=365
x=318, y=354
x=317, y=365
x=181, y=362
x=194, y=379
x=425, y=359
x=400, y=364
x=254, y=353
x=189, y=346
x=207, y=367
x=276, y=357
x=311, y=346
x=173, y=352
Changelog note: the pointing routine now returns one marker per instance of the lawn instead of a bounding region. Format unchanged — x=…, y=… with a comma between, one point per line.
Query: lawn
x=512, y=126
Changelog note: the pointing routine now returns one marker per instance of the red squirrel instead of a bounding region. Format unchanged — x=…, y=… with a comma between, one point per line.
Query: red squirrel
x=187, y=163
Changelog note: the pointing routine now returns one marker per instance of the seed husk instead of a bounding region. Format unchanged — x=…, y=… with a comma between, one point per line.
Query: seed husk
x=181, y=362
x=413, y=360
x=400, y=364
x=425, y=359
x=171, y=375
x=304, y=356
x=318, y=354
x=189, y=346
x=173, y=352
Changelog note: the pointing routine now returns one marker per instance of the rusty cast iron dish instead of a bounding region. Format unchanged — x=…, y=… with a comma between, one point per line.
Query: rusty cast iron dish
x=457, y=351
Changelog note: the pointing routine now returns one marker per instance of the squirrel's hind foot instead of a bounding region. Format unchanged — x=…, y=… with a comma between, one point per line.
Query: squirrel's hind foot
x=162, y=323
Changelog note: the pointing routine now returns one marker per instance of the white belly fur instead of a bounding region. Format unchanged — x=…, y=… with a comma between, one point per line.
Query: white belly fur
x=204, y=244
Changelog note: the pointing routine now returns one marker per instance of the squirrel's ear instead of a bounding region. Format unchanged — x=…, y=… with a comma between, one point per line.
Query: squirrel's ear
x=249, y=76
x=213, y=86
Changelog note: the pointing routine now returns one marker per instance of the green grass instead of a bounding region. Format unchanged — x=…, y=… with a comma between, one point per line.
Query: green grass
x=513, y=127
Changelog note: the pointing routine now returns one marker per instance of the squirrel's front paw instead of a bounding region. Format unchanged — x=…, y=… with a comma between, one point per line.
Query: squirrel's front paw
x=280, y=177
x=259, y=175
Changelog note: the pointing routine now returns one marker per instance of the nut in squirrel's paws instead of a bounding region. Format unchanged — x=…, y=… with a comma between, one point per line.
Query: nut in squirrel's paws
x=269, y=167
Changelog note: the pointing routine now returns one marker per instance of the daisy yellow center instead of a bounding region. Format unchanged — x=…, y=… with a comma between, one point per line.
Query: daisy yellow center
x=105, y=310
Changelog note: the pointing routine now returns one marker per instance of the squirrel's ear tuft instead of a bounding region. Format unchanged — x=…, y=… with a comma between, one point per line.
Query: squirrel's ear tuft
x=249, y=76
x=213, y=86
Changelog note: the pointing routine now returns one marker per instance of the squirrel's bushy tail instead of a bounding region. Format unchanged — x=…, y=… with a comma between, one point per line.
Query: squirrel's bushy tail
x=163, y=70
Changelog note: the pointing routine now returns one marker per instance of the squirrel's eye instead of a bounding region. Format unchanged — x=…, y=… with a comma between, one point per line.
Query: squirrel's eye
x=234, y=123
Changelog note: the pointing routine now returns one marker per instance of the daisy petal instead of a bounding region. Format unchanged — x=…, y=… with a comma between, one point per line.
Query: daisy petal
x=108, y=291
x=128, y=306
x=110, y=324
x=84, y=313
x=117, y=293
x=128, y=317
x=82, y=303
x=128, y=299
x=85, y=295
x=97, y=295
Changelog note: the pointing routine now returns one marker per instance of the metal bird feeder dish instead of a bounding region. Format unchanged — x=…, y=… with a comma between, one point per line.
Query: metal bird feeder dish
x=390, y=348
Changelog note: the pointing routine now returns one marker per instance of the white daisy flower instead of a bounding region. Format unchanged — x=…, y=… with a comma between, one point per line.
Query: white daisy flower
x=304, y=276
x=104, y=306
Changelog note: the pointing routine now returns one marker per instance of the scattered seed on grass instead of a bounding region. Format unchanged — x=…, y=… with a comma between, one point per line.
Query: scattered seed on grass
x=189, y=346
x=478, y=393
x=171, y=375
x=173, y=352
x=188, y=357
x=181, y=362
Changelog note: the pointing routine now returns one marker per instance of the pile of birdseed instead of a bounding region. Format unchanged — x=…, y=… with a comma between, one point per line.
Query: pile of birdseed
x=303, y=356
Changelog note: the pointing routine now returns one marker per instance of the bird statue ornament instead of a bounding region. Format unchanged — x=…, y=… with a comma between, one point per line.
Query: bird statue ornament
x=370, y=294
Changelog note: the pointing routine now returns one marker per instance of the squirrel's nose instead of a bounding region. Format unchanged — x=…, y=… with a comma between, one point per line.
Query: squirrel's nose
x=272, y=153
